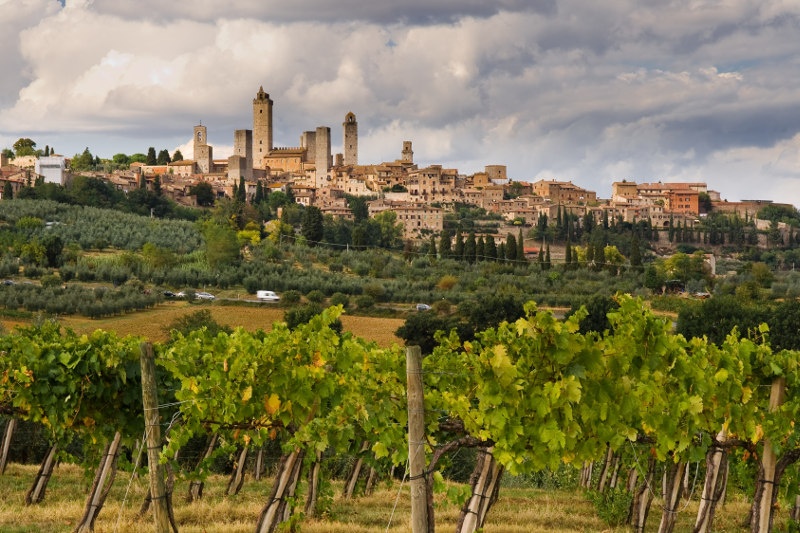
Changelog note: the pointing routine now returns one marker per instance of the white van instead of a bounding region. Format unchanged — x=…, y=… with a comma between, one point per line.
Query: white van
x=267, y=296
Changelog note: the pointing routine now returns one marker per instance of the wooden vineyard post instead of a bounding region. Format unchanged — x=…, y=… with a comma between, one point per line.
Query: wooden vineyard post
x=761, y=520
x=153, y=431
x=416, y=441
x=9, y=431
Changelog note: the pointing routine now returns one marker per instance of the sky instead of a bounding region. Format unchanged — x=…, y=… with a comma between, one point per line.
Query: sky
x=573, y=90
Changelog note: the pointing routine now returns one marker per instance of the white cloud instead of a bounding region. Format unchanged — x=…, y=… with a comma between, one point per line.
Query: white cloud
x=591, y=92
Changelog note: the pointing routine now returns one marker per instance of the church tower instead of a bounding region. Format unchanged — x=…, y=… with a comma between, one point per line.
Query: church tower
x=262, y=127
x=350, y=137
x=203, y=153
x=407, y=155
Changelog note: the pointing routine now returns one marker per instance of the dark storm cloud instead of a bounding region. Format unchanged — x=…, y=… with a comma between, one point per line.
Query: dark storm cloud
x=422, y=12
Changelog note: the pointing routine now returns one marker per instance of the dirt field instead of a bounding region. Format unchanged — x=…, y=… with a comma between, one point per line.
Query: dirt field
x=150, y=324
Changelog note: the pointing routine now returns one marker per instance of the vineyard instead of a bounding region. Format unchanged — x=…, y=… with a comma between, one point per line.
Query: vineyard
x=652, y=423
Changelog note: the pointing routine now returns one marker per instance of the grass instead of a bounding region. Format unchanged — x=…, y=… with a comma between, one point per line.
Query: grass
x=518, y=510
x=150, y=323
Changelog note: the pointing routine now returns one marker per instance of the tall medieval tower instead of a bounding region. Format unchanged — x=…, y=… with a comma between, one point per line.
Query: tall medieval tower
x=407, y=155
x=262, y=127
x=350, y=137
x=203, y=153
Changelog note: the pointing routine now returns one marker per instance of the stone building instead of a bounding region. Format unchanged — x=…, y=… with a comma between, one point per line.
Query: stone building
x=262, y=127
x=350, y=138
x=203, y=152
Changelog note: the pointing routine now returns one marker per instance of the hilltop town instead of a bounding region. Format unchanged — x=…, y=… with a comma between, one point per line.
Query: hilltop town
x=418, y=196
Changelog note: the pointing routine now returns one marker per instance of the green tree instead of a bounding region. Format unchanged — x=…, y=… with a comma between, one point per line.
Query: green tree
x=445, y=244
x=511, y=247
x=121, y=160
x=177, y=156
x=221, y=245
x=138, y=158
x=203, y=193
x=470, y=248
x=241, y=191
x=83, y=161
x=151, y=157
x=358, y=206
x=312, y=226
x=8, y=191
x=163, y=158
x=520, y=246
x=458, y=248
x=391, y=231
x=53, y=246
x=490, y=248
x=259, y=196
x=24, y=146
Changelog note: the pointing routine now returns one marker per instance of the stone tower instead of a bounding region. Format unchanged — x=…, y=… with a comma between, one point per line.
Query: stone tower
x=242, y=154
x=322, y=158
x=203, y=153
x=350, y=137
x=407, y=156
x=262, y=127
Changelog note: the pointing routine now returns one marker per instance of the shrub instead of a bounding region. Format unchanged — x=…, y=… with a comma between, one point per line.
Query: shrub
x=375, y=290
x=316, y=296
x=51, y=280
x=365, y=301
x=612, y=505
x=339, y=298
x=302, y=314
x=447, y=282
x=291, y=297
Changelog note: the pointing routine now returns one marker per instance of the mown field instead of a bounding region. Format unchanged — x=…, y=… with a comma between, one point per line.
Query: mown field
x=151, y=323
x=518, y=510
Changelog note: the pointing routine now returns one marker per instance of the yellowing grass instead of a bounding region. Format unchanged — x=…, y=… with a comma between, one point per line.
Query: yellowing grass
x=387, y=510
x=150, y=323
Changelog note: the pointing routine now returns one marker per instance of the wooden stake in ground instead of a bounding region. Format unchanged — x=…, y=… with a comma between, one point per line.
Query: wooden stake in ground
x=103, y=479
x=714, y=485
x=196, y=486
x=152, y=422
x=9, y=431
x=485, y=482
x=416, y=441
x=37, y=491
x=761, y=516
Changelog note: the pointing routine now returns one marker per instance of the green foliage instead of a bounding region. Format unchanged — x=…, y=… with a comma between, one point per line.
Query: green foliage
x=316, y=296
x=365, y=301
x=339, y=298
x=612, y=506
x=197, y=320
x=291, y=297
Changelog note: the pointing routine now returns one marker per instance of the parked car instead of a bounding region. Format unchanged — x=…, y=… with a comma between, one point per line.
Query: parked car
x=170, y=294
x=200, y=295
x=423, y=307
x=267, y=296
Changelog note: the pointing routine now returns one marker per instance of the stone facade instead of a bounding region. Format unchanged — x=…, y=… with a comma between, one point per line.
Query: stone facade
x=350, y=139
x=262, y=127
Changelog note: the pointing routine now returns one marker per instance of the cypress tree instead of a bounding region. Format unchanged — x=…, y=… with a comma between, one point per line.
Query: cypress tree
x=520, y=246
x=458, y=249
x=241, y=192
x=636, y=253
x=510, y=248
x=480, y=249
x=445, y=245
x=501, y=252
x=470, y=248
x=432, y=247
x=547, y=262
x=490, y=248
